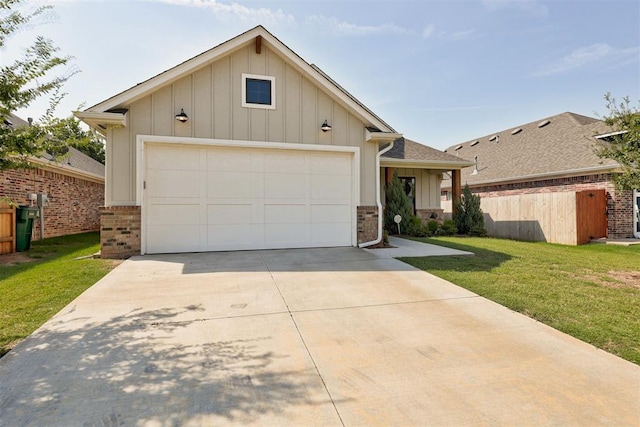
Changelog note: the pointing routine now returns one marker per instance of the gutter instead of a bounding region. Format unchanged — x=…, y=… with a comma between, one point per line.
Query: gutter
x=378, y=201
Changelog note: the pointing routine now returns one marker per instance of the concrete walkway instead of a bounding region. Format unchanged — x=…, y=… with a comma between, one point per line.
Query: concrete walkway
x=327, y=337
x=410, y=248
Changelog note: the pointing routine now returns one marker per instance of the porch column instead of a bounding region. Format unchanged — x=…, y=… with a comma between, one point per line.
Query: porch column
x=388, y=175
x=456, y=189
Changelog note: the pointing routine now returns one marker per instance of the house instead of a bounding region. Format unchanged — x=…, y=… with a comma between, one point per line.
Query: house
x=551, y=155
x=74, y=185
x=245, y=146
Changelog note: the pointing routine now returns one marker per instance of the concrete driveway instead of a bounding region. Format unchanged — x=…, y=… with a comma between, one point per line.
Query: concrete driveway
x=324, y=337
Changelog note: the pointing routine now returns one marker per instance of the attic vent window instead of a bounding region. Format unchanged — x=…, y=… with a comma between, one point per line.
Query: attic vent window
x=495, y=138
x=516, y=131
x=475, y=143
x=544, y=123
x=258, y=91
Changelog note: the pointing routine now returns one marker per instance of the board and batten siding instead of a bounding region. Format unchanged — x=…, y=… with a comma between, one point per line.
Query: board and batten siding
x=211, y=97
x=427, y=186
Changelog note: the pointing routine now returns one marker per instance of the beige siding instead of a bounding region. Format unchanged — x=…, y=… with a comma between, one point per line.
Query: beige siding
x=427, y=186
x=211, y=97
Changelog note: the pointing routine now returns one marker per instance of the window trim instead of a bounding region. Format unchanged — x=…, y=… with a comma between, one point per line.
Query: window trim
x=246, y=104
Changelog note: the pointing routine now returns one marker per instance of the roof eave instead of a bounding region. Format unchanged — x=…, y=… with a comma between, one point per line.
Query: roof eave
x=173, y=74
x=381, y=136
x=101, y=121
x=560, y=174
x=424, y=164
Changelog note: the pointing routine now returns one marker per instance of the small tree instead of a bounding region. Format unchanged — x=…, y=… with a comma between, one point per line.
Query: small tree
x=24, y=81
x=397, y=204
x=69, y=132
x=623, y=147
x=469, y=218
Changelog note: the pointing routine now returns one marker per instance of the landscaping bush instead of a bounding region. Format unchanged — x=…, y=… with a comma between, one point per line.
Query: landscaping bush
x=469, y=218
x=448, y=228
x=433, y=226
x=397, y=204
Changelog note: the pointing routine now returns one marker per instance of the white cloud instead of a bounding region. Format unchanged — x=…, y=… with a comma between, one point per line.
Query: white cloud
x=533, y=7
x=605, y=55
x=462, y=35
x=428, y=31
x=339, y=27
x=233, y=9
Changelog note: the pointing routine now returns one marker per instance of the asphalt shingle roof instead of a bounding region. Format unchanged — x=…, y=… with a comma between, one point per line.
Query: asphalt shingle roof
x=564, y=144
x=406, y=149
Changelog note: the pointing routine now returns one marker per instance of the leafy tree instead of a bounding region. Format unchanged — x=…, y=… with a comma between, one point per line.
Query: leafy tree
x=24, y=81
x=69, y=131
x=623, y=147
x=469, y=218
x=397, y=204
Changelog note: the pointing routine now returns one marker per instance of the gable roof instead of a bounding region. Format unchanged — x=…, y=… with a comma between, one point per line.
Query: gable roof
x=559, y=145
x=111, y=111
x=408, y=153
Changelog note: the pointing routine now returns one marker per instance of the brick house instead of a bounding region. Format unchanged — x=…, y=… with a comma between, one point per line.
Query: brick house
x=74, y=185
x=554, y=154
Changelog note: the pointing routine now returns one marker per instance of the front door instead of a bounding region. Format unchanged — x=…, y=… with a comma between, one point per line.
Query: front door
x=636, y=213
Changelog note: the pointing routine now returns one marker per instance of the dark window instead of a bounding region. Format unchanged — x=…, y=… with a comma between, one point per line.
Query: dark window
x=258, y=92
x=409, y=185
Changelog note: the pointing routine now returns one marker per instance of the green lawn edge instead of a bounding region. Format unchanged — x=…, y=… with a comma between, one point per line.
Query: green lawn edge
x=591, y=292
x=32, y=292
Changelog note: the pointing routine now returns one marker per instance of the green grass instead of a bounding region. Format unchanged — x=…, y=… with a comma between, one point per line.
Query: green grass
x=591, y=292
x=32, y=292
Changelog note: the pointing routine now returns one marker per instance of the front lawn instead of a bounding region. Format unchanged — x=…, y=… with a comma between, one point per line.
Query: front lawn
x=35, y=285
x=591, y=292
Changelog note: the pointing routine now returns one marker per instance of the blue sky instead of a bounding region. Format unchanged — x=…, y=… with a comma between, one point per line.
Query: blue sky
x=440, y=72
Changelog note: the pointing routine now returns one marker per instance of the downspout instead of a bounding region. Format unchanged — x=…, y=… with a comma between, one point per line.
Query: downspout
x=378, y=201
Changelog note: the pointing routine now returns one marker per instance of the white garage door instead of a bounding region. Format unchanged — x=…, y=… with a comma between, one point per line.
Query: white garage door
x=203, y=198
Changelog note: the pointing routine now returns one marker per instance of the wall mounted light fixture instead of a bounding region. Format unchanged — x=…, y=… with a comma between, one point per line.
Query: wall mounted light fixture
x=182, y=117
x=326, y=127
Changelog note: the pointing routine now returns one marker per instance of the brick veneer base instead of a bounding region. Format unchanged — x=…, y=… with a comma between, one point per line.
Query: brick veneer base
x=619, y=204
x=119, y=231
x=432, y=214
x=367, y=223
x=74, y=203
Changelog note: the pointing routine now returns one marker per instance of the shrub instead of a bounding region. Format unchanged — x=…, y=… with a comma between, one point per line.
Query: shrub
x=397, y=204
x=415, y=227
x=433, y=226
x=469, y=218
x=448, y=228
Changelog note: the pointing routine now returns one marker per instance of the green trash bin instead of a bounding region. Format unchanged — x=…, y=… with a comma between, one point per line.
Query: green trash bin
x=24, y=227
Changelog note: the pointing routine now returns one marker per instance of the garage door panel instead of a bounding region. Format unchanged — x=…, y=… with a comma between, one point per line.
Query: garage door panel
x=330, y=213
x=173, y=183
x=174, y=238
x=329, y=234
x=228, y=185
x=236, y=236
x=234, y=160
x=173, y=158
x=285, y=214
x=229, y=214
x=331, y=164
x=281, y=161
x=287, y=235
x=330, y=187
x=246, y=198
x=178, y=214
x=284, y=186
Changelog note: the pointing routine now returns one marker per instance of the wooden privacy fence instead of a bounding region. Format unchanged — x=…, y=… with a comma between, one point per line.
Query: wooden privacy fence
x=7, y=228
x=570, y=218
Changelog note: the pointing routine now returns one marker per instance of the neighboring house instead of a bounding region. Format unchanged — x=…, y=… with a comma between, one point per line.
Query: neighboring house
x=551, y=155
x=245, y=146
x=74, y=185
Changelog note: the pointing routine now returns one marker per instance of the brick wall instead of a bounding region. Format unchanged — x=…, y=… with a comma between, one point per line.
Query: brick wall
x=367, y=223
x=619, y=204
x=74, y=203
x=431, y=214
x=119, y=231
